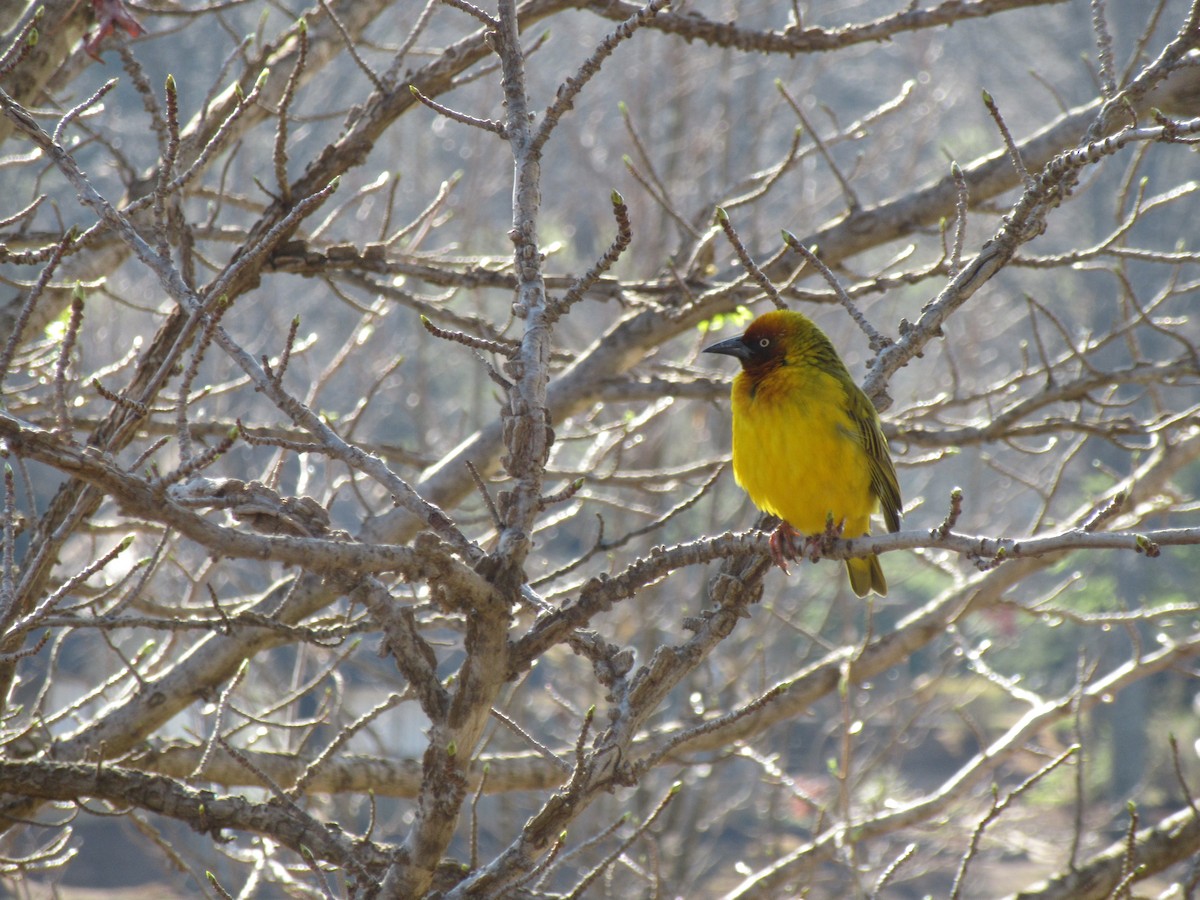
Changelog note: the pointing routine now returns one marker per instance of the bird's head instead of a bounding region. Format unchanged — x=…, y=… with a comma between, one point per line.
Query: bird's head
x=768, y=340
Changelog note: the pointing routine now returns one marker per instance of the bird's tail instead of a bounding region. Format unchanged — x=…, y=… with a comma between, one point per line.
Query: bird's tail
x=866, y=575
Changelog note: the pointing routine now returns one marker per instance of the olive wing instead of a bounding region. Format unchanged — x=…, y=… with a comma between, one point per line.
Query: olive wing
x=884, y=484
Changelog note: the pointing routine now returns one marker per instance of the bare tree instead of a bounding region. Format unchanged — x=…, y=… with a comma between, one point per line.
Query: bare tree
x=367, y=528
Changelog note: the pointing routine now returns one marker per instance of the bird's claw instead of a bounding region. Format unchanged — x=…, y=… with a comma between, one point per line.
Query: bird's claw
x=824, y=541
x=786, y=543
x=781, y=545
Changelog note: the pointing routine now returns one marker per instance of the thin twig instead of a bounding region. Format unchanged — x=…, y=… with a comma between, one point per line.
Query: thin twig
x=961, y=198
x=999, y=805
x=348, y=42
x=876, y=340
x=1104, y=47
x=61, y=415
x=492, y=125
x=747, y=261
x=280, y=156
x=852, y=204
x=1014, y=153
x=585, y=281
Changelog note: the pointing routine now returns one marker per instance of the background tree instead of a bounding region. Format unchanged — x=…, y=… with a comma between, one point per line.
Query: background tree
x=367, y=528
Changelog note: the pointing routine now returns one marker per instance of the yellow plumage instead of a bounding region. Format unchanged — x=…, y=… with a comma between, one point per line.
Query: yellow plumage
x=807, y=443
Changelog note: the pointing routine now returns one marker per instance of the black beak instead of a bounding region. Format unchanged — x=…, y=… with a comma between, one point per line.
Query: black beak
x=731, y=347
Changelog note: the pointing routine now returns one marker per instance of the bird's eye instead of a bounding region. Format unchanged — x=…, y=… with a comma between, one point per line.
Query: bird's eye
x=764, y=343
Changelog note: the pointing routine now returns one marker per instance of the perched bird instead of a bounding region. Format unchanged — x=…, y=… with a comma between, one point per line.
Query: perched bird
x=807, y=444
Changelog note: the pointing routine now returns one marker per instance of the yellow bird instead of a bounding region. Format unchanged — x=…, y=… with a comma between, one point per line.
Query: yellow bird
x=807, y=444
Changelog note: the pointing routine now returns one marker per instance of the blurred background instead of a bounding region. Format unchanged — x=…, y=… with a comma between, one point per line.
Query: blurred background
x=1069, y=377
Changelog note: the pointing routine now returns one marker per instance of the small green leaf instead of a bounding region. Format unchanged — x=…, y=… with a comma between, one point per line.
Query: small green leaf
x=56, y=328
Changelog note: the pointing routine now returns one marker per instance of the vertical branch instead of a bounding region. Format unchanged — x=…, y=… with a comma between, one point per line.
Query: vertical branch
x=62, y=417
x=166, y=171
x=285, y=103
x=8, y=591
x=454, y=736
x=527, y=437
x=1104, y=51
x=31, y=300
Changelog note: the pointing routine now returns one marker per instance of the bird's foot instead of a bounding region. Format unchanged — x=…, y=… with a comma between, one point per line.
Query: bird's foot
x=783, y=545
x=788, y=544
x=819, y=544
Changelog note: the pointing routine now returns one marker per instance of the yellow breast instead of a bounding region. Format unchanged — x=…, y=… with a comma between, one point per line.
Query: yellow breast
x=797, y=452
